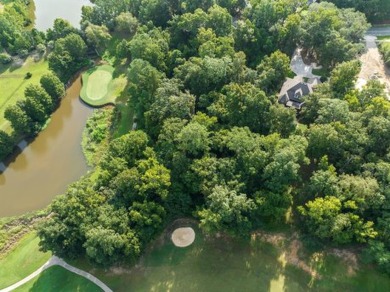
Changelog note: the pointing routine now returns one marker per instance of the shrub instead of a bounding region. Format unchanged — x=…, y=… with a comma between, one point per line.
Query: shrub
x=5, y=58
x=41, y=48
x=385, y=50
x=28, y=75
x=23, y=53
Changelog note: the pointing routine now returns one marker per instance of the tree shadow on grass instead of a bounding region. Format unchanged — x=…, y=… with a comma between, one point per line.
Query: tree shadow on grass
x=214, y=264
x=4, y=67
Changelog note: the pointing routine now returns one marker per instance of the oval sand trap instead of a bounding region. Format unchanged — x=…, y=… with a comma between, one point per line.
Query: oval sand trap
x=183, y=237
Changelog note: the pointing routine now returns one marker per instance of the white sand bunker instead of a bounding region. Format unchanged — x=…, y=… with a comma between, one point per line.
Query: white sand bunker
x=183, y=237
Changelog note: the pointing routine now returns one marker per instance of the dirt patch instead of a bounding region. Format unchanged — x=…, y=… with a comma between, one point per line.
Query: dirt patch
x=273, y=238
x=373, y=66
x=293, y=258
x=349, y=257
x=14, y=230
x=121, y=270
x=291, y=249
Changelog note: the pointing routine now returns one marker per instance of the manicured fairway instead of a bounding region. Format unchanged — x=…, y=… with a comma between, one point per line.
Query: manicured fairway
x=58, y=279
x=21, y=261
x=221, y=264
x=99, y=86
x=13, y=83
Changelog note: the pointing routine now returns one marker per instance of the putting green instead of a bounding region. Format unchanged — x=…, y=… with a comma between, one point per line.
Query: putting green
x=99, y=86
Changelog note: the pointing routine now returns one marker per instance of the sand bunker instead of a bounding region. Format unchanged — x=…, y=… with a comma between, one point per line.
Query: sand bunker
x=183, y=237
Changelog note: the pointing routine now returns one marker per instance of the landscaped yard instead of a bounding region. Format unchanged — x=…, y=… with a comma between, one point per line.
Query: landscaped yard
x=100, y=87
x=24, y=259
x=13, y=83
x=221, y=264
x=58, y=279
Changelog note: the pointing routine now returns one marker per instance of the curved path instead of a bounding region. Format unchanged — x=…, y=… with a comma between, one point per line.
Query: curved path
x=56, y=261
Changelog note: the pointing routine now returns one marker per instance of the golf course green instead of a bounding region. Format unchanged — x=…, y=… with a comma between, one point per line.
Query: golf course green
x=100, y=87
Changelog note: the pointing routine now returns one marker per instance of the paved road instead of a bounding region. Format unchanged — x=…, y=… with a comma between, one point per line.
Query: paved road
x=379, y=31
x=53, y=261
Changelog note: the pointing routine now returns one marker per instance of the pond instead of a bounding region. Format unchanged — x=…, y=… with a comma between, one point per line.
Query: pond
x=48, y=164
x=46, y=11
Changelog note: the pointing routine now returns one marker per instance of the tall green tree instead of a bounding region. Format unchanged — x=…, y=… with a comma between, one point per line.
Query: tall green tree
x=53, y=86
x=343, y=78
x=273, y=71
x=227, y=211
x=20, y=121
x=6, y=144
x=68, y=56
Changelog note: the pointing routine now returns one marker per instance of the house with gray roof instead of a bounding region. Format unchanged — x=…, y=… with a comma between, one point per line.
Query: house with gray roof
x=294, y=90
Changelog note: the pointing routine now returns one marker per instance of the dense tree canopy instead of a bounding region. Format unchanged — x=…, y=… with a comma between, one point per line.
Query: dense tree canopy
x=212, y=141
x=68, y=56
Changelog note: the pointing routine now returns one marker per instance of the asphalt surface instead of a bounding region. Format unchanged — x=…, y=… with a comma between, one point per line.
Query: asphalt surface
x=379, y=31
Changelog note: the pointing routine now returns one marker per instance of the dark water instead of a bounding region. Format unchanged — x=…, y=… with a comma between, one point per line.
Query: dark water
x=49, y=163
x=46, y=11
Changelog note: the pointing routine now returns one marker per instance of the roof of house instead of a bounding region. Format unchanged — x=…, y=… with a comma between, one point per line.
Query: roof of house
x=294, y=89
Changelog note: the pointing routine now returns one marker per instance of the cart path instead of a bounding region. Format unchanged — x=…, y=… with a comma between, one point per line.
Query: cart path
x=56, y=261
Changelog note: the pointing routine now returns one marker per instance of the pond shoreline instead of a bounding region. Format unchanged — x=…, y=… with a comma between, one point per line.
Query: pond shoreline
x=23, y=141
x=43, y=173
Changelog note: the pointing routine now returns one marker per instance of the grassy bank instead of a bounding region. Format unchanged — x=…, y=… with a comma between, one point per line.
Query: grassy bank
x=58, y=279
x=22, y=260
x=13, y=83
x=383, y=38
x=12, y=229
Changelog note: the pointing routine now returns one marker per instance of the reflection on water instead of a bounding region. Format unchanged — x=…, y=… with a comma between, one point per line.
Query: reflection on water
x=46, y=11
x=49, y=163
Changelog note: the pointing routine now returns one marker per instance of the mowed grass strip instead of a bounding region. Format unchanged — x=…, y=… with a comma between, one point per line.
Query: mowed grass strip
x=13, y=84
x=100, y=87
x=24, y=259
x=58, y=279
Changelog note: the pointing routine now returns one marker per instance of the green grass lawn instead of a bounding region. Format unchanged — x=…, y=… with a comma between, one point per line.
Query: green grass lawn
x=100, y=87
x=383, y=38
x=24, y=259
x=221, y=264
x=321, y=72
x=58, y=279
x=13, y=83
x=125, y=124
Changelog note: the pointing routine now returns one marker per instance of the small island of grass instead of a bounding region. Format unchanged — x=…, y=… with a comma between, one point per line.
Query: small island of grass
x=100, y=87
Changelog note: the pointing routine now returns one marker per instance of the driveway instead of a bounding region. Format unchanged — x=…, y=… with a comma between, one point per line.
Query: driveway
x=299, y=67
